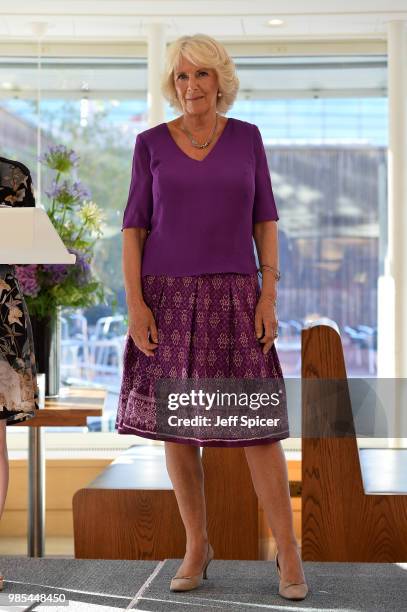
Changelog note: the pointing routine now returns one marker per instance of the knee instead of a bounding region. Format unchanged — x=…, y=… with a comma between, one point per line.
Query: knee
x=185, y=458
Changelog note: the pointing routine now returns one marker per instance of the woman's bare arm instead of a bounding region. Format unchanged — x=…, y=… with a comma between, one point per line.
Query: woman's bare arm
x=266, y=238
x=141, y=319
x=265, y=235
x=133, y=245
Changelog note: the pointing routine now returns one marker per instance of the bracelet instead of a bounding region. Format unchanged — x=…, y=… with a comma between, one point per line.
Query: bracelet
x=277, y=274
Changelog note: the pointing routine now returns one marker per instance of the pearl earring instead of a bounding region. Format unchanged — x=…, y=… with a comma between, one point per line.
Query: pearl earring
x=219, y=93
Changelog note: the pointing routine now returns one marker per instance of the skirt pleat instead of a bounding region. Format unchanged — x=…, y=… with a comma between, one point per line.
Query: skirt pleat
x=206, y=331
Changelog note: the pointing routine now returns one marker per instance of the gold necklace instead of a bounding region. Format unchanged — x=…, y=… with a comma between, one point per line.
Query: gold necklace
x=205, y=144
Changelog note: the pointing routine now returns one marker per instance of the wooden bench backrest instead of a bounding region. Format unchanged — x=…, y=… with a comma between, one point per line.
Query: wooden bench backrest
x=339, y=521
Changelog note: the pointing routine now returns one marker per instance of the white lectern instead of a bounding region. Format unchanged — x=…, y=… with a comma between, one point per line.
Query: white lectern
x=28, y=237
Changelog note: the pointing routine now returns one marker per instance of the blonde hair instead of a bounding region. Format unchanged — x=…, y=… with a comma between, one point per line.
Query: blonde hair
x=201, y=49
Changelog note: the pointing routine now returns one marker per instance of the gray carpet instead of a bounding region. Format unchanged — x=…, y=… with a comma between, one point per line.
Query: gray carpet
x=253, y=585
x=99, y=585
x=103, y=582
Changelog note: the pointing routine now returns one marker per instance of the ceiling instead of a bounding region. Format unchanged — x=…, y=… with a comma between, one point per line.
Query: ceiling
x=230, y=20
x=322, y=49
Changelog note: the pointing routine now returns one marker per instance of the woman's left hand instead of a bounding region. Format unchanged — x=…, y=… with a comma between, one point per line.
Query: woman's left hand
x=265, y=321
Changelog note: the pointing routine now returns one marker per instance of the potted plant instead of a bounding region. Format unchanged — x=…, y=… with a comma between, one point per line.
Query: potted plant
x=49, y=287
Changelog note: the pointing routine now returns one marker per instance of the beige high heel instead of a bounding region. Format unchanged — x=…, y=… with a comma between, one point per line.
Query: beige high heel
x=294, y=590
x=187, y=583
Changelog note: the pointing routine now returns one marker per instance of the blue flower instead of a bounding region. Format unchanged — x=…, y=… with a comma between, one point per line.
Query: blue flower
x=65, y=192
x=60, y=158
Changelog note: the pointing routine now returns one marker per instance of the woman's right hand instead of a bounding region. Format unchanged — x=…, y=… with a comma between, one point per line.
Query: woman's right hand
x=141, y=324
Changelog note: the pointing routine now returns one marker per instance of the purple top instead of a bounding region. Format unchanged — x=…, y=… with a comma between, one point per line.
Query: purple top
x=200, y=213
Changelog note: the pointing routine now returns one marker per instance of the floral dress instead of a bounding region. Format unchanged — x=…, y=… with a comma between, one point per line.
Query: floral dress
x=18, y=377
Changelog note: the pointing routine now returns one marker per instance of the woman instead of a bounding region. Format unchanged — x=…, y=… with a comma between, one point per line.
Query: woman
x=18, y=378
x=200, y=191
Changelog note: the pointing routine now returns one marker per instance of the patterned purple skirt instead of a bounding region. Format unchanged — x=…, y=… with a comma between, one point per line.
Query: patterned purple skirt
x=205, y=333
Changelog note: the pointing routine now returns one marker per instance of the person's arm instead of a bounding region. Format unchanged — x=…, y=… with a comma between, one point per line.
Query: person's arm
x=132, y=252
x=265, y=233
x=136, y=225
x=266, y=322
x=266, y=239
x=141, y=318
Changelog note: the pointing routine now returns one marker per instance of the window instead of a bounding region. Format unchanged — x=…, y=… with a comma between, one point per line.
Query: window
x=324, y=125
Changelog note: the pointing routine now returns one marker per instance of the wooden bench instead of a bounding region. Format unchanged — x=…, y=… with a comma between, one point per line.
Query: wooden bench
x=130, y=510
x=354, y=503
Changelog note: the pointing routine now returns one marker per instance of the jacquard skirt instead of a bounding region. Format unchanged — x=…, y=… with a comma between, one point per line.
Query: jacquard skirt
x=207, y=340
x=19, y=394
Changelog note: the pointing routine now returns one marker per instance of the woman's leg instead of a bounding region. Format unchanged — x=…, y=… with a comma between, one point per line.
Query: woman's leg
x=185, y=470
x=4, y=471
x=269, y=473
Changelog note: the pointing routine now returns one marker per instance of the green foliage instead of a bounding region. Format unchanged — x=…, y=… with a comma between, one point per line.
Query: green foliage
x=78, y=222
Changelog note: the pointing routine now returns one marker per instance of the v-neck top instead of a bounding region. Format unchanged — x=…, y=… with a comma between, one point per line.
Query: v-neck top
x=199, y=213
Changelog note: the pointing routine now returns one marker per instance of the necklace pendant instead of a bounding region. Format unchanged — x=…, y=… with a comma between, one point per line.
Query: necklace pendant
x=205, y=144
x=199, y=146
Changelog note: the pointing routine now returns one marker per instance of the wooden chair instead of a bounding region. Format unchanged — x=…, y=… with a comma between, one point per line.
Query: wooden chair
x=347, y=514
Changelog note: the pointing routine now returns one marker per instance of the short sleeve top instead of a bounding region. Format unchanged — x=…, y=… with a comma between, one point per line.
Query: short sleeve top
x=199, y=214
